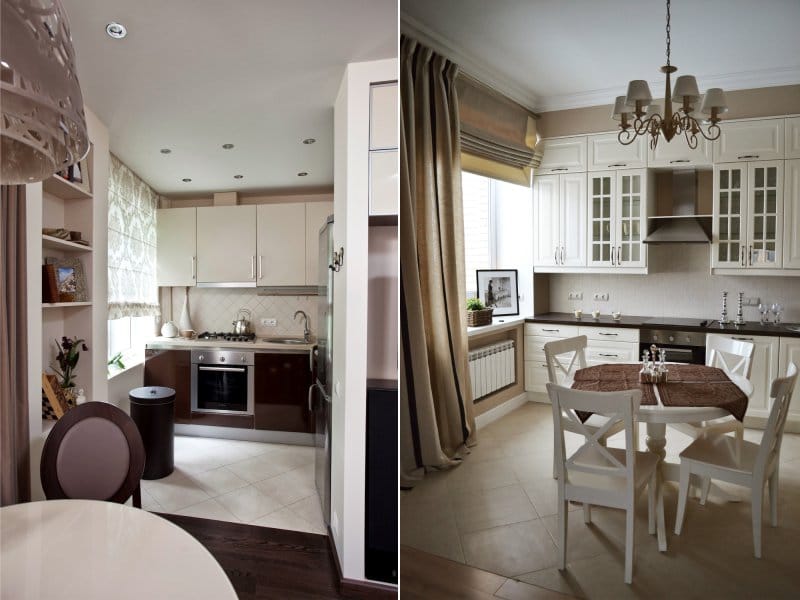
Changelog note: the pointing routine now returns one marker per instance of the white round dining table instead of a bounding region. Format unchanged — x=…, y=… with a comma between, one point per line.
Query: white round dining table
x=92, y=550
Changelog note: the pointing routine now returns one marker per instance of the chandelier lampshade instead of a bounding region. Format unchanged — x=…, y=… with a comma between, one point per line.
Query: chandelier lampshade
x=43, y=127
x=688, y=119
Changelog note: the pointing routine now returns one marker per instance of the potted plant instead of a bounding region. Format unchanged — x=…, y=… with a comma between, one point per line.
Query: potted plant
x=69, y=351
x=477, y=314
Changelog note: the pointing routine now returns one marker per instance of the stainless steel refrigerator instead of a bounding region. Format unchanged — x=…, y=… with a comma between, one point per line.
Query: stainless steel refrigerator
x=321, y=390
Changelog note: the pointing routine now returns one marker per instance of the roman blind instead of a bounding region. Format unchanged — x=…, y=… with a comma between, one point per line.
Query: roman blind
x=498, y=136
x=132, y=204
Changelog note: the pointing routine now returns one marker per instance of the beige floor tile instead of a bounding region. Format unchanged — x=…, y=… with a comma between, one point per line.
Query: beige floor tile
x=543, y=494
x=510, y=550
x=431, y=528
x=261, y=467
x=291, y=486
x=209, y=509
x=174, y=492
x=217, y=481
x=285, y=518
x=481, y=475
x=483, y=509
x=248, y=504
x=309, y=510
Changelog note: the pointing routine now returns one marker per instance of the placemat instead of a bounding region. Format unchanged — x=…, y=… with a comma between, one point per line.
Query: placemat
x=613, y=378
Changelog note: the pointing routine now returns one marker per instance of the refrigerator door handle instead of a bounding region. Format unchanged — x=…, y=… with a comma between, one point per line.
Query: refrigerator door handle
x=310, y=390
x=312, y=354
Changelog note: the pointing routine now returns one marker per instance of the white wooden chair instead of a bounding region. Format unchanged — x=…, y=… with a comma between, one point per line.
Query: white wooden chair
x=595, y=474
x=563, y=358
x=735, y=358
x=717, y=457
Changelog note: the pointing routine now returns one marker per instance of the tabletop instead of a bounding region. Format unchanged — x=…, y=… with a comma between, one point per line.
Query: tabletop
x=91, y=550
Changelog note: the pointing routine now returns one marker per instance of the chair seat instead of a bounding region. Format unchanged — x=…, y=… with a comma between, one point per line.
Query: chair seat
x=721, y=451
x=646, y=463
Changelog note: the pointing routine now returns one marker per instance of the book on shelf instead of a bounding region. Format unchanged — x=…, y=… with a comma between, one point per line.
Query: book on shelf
x=49, y=284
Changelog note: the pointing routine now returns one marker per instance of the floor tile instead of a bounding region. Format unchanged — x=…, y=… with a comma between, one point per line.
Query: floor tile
x=309, y=510
x=510, y=550
x=483, y=509
x=174, y=492
x=208, y=509
x=217, y=481
x=291, y=486
x=285, y=518
x=248, y=504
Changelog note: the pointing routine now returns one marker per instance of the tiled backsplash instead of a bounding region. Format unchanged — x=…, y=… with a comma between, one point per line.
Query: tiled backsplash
x=679, y=284
x=214, y=309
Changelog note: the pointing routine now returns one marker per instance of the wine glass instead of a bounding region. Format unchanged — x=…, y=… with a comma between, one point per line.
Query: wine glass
x=777, y=309
x=763, y=310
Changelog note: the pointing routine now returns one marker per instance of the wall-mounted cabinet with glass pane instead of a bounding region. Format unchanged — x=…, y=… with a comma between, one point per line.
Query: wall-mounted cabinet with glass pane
x=617, y=214
x=748, y=216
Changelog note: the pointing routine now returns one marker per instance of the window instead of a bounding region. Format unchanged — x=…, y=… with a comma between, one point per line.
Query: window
x=132, y=290
x=498, y=221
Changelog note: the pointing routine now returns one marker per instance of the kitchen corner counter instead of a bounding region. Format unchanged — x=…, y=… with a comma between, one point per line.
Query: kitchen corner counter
x=164, y=343
x=498, y=324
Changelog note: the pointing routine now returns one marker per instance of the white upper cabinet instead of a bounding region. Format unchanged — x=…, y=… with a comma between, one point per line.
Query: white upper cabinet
x=384, y=183
x=793, y=137
x=281, y=244
x=750, y=140
x=729, y=229
x=226, y=245
x=176, y=231
x=607, y=153
x=560, y=221
x=677, y=153
x=563, y=155
x=316, y=216
x=383, y=124
x=791, y=215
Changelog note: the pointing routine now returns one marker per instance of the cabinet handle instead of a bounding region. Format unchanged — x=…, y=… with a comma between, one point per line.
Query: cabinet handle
x=743, y=339
x=741, y=257
x=559, y=169
x=252, y=267
x=743, y=156
x=562, y=255
x=619, y=255
x=552, y=330
x=194, y=268
x=679, y=160
x=601, y=333
x=609, y=355
x=555, y=255
x=618, y=165
x=543, y=365
x=612, y=255
x=750, y=255
x=260, y=260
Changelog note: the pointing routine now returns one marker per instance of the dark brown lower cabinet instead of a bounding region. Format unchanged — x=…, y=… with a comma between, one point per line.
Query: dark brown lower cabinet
x=281, y=393
x=172, y=369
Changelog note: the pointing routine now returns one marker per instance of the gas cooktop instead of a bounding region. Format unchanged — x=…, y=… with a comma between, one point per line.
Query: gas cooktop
x=227, y=336
x=677, y=322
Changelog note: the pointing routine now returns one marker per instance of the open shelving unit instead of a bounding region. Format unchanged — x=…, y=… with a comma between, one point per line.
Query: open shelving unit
x=53, y=243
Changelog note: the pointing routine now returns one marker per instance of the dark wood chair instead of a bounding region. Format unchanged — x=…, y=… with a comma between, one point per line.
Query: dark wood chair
x=93, y=452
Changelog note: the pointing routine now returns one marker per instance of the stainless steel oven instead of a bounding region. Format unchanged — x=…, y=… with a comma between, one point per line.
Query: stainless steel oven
x=681, y=346
x=223, y=381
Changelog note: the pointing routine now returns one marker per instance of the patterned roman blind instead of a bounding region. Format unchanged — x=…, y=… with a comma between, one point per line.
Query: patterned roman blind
x=132, y=204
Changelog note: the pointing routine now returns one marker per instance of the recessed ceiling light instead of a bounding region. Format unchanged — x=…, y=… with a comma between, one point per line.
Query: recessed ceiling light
x=165, y=151
x=302, y=174
x=116, y=30
x=186, y=180
x=238, y=176
x=309, y=141
x=227, y=146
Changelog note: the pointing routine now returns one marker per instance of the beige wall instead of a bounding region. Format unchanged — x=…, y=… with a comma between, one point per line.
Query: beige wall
x=262, y=198
x=758, y=102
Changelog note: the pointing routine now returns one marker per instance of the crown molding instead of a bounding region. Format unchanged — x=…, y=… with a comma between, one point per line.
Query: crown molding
x=742, y=80
x=466, y=62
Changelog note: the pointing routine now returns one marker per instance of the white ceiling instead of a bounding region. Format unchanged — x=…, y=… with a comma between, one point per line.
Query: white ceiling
x=195, y=74
x=554, y=54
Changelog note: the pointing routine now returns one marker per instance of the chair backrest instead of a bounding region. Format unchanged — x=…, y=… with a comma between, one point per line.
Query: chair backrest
x=93, y=452
x=735, y=357
x=781, y=394
x=563, y=358
x=616, y=406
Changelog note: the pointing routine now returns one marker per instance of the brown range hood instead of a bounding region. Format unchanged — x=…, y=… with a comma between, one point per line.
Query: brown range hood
x=683, y=225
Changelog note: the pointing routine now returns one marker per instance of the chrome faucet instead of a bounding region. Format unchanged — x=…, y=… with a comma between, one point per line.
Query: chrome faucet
x=306, y=332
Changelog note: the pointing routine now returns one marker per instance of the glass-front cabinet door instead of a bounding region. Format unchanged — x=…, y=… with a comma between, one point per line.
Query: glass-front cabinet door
x=601, y=219
x=730, y=214
x=765, y=214
x=630, y=219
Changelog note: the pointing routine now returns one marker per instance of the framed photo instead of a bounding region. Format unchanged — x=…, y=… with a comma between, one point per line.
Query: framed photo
x=70, y=280
x=81, y=176
x=498, y=289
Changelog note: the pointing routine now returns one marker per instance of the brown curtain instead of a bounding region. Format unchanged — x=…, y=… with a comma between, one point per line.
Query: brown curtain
x=435, y=398
x=15, y=485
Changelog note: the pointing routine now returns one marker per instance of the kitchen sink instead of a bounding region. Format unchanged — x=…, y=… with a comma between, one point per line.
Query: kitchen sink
x=286, y=340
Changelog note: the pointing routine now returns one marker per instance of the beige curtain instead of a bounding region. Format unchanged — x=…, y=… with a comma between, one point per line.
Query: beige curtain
x=498, y=136
x=435, y=398
x=14, y=461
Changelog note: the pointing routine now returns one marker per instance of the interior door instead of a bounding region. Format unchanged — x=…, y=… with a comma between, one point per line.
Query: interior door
x=730, y=208
x=546, y=218
x=282, y=244
x=601, y=219
x=765, y=214
x=630, y=220
x=572, y=219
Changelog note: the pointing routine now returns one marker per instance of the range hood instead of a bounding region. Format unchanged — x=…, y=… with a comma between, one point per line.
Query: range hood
x=683, y=225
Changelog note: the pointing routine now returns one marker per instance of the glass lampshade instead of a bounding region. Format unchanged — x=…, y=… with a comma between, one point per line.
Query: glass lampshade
x=686, y=87
x=638, y=90
x=714, y=98
x=43, y=127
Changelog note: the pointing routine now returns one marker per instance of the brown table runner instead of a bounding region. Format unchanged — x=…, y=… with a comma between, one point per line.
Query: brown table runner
x=688, y=385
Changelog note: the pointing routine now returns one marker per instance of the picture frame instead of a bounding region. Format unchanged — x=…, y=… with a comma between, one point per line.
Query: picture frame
x=499, y=289
x=84, y=180
x=70, y=279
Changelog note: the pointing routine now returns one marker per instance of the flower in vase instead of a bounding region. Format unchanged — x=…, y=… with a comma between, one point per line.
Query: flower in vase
x=69, y=351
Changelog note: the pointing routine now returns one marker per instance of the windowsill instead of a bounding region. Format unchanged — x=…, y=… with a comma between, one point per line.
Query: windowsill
x=498, y=324
x=129, y=364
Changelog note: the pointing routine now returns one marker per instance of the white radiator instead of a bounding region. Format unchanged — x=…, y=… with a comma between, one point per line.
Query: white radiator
x=491, y=368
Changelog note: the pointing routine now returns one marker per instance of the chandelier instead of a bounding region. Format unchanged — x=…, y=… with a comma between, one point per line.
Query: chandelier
x=42, y=123
x=639, y=116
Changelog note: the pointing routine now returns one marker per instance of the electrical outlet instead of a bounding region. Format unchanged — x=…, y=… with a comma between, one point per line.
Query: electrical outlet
x=269, y=322
x=751, y=301
x=575, y=296
x=600, y=296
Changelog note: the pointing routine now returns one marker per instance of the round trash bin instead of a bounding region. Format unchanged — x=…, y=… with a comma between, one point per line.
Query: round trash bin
x=153, y=411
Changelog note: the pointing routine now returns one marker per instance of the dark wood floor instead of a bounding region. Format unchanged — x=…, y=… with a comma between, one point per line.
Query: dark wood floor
x=267, y=563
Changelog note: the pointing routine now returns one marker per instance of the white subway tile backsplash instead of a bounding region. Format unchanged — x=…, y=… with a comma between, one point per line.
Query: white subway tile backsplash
x=214, y=309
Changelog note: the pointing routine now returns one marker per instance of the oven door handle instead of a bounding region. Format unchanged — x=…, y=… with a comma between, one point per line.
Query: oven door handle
x=224, y=369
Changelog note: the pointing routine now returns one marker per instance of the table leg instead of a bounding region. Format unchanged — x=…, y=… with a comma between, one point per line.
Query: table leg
x=656, y=439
